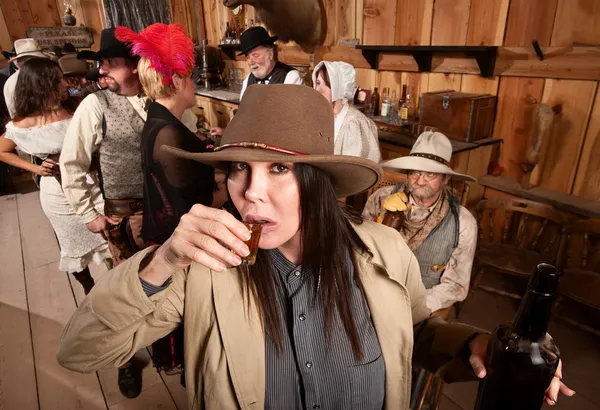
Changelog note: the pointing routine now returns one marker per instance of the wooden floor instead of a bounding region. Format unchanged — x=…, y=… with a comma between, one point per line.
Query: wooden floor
x=36, y=300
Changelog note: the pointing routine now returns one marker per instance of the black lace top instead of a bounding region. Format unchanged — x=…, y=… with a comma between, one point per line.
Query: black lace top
x=171, y=185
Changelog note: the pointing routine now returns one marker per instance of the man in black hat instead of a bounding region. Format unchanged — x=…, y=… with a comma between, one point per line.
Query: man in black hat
x=108, y=125
x=261, y=52
x=260, y=49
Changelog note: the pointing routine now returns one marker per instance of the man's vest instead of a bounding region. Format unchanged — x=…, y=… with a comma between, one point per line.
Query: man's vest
x=435, y=251
x=277, y=76
x=120, y=157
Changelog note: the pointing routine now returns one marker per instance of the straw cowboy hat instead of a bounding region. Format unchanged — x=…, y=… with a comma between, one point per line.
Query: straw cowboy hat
x=288, y=123
x=70, y=65
x=28, y=47
x=430, y=153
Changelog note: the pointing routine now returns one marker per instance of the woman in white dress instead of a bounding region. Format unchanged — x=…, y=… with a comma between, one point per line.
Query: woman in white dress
x=355, y=134
x=43, y=112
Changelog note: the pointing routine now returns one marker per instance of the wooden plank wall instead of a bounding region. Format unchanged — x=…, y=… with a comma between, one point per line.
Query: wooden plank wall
x=17, y=16
x=567, y=163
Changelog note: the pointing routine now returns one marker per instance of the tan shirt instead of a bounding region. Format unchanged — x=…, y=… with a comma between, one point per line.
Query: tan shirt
x=83, y=138
x=454, y=283
x=224, y=338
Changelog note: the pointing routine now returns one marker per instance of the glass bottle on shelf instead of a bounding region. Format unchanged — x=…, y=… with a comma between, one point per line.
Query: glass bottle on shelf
x=239, y=33
x=402, y=97
x=227, y=39
x=385, y=104
x=375, y=103
x=404, y=109
x=393, y=108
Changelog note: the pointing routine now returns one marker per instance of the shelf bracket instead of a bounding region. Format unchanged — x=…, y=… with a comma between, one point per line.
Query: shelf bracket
x=486, y=60
x=372, y=57
x=423, y=59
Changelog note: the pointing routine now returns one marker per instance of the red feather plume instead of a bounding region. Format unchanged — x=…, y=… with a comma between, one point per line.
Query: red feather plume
x=168, y=48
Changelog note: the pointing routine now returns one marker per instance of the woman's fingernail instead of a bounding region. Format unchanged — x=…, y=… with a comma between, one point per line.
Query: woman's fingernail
x=235, y=260
x=220, y=267
x=244, y=250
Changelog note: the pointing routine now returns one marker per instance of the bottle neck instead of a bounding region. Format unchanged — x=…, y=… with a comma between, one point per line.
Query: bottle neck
x=532, y=319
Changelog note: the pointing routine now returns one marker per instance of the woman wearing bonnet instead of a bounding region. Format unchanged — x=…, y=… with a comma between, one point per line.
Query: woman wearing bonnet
x=355, y=134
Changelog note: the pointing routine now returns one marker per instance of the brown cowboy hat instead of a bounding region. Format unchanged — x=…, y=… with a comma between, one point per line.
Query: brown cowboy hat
x=288, y=123
x=70, y=65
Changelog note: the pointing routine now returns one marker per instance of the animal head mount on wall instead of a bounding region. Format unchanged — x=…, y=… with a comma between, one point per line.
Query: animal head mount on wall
x=302, y=21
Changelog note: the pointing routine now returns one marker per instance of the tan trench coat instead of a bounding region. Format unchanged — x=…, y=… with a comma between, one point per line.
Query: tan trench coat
x=224, y=341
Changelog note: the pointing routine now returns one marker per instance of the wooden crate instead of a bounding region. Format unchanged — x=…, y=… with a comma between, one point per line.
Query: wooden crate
x=461, y=116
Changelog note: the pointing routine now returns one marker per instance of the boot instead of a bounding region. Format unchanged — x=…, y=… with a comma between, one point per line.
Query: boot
x=85, y=279
x=130, y=380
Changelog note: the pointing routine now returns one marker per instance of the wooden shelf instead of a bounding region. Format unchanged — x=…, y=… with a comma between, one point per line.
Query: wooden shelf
x=406, y=140
x=560, y=200
x=423, y=55
x=230, y=50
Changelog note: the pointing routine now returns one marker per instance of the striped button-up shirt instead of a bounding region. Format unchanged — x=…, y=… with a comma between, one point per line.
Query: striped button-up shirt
x=315, y=371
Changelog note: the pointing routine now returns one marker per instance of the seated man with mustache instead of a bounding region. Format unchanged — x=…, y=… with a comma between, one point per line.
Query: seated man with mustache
x=441, y=233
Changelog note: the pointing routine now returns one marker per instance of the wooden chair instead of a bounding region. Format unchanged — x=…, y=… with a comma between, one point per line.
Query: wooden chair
x=579, y=257
x=390, y=177
x=515, y=235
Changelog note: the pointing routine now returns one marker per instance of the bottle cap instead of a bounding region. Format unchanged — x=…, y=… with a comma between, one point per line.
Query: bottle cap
x=545, y=279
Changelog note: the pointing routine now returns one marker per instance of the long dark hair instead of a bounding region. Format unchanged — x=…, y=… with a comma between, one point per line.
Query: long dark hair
x=328, y=241
x=38, y=89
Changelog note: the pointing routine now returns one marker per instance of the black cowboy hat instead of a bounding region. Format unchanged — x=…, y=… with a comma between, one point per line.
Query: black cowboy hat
x=9, y=54
x=68, y=48
x=254, y=37
x=110, y=47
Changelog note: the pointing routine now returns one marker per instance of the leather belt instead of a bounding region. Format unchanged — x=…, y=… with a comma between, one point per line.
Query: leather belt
x=122, y=207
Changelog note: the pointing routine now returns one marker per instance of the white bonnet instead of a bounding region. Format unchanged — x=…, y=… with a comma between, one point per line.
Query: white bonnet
x=342, y=77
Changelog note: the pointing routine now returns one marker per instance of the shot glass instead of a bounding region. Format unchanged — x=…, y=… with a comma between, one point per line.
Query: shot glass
x=255, y=230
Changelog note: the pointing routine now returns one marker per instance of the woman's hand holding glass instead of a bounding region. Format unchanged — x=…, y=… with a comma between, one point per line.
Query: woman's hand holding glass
x=208, y=236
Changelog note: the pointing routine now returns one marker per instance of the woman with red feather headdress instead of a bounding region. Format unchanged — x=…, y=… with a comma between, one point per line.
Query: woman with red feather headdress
x=171, y=185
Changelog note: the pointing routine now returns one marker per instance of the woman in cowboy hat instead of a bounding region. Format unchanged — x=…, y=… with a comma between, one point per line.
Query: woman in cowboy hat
x=354, y=133
x=25, y=48
x=441, y=233
x=324, y=319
